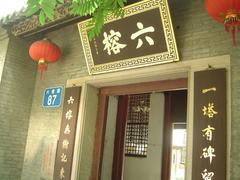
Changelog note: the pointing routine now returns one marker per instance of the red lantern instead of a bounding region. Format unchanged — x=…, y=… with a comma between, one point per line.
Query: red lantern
x=44, y=51
x=226, y=12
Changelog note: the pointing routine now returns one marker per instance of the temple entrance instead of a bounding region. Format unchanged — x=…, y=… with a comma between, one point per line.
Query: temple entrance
x=144, y=131
x=97, y=92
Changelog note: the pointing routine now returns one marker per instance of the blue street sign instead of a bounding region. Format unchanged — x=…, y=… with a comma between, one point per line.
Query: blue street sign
x=52, y=96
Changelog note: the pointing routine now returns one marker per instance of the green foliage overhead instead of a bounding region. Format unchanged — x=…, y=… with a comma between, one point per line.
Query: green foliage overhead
x=98, y=9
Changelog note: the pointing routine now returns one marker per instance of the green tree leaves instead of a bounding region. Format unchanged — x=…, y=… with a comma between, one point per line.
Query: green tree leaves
x=45, y=9
x=100, y=13
x=98, y=9
x=32, y=7
x=48, y=8
x=42, y=18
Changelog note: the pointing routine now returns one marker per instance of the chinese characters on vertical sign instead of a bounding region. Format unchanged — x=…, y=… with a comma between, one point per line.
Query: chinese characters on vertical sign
x=143, y=37
x=209, y=136
x=63, y=161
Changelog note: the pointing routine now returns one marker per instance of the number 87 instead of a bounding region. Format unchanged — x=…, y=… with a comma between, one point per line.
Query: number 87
x=51, y=99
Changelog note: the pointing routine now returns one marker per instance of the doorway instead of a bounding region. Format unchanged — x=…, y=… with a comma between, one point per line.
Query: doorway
x=110, y=150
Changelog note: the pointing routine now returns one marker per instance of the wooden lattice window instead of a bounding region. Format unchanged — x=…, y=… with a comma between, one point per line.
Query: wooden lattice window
x=136, y=141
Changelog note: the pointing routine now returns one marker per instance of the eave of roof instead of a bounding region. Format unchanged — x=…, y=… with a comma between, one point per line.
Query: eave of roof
x=20, y=25
x=14, y=17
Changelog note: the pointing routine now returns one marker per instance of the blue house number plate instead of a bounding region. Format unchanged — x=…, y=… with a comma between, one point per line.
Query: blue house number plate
x=52, y=97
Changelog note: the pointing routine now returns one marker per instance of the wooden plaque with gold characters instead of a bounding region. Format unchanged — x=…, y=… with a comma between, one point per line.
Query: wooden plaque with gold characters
x=142, y=38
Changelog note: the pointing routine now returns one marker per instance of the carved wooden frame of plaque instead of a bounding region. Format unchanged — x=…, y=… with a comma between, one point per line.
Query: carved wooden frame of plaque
x=171, y=55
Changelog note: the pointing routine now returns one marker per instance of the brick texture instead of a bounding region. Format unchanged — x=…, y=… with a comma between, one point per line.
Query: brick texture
x=45, y=123
x=16, y=90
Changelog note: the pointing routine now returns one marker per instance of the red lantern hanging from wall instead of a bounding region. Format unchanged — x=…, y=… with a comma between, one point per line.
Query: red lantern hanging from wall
x=44, y=51
x=226, y=12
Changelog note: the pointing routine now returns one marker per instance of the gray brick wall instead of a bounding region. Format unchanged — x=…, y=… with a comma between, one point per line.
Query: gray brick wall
x=235, y=120
x=197, y=36
x=46, y=122
x=16, y=90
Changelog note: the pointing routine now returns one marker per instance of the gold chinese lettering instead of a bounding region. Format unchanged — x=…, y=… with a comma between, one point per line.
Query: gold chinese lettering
x=208, y=153
x=69, y=114
x=207, y=175
x=209, y=89
x=70, y=100
x=67, y=129
x=65, y=144
x=63, y=158
x=209, y=111
x=62, y=173
x=208, y=132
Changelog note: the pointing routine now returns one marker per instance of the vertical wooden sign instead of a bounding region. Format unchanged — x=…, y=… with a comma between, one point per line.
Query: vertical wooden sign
x=209, y=136
x=64, y=156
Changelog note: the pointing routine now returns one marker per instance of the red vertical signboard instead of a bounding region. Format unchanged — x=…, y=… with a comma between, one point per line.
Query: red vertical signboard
x=64, y=156
x=209, y=129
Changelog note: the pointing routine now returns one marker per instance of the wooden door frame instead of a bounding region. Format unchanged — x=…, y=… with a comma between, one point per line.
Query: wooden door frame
x=157, y=86
x=185, y=68
x=167, y=140
x=119, y=137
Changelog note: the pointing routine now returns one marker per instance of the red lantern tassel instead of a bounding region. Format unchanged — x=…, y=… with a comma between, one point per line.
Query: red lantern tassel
x=42, y=66
x=226, y=27
x=234, y=36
